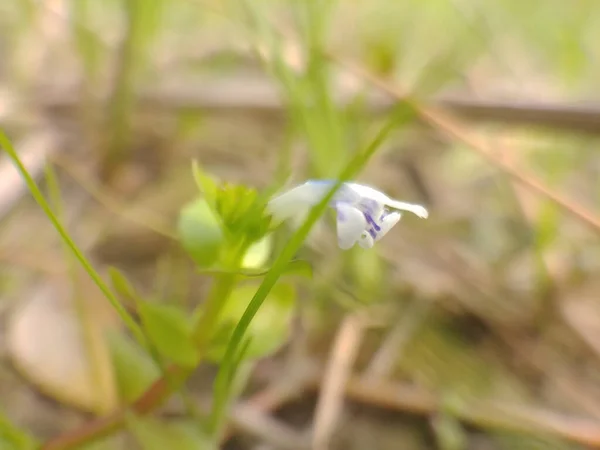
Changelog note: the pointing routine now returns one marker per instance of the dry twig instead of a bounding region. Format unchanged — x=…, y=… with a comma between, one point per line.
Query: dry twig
x=259, y=96
x=488, y=414
x=482, y=414
x=382, y=363
x=453, y=128
x=330, y=403
x=255, y=422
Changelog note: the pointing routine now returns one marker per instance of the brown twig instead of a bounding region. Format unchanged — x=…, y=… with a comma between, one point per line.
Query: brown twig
x=481, y=414
x=237, y=94
x=484, y=414
x=106, y=198
x=278, y=393
x=149, y=400
x=453, y=128
x=383, y=361
x=490, y=414
x=330, y=402
x=253, y=421
x=258, y=95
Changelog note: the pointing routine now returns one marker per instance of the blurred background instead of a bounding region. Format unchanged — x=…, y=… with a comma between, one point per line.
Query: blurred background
x=478, y=328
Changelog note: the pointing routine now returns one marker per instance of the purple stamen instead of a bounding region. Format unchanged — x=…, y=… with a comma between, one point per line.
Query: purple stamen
x=373, y=233
x=369, y=205
x=371, y=221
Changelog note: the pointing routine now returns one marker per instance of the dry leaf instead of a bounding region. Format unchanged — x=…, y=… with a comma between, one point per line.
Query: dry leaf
x=581, y=310
x=62, y=350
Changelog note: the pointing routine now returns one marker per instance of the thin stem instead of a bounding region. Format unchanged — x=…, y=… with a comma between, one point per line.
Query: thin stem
x=39, y=198
x=225, y=282
x=241, y=376
x=86, y=324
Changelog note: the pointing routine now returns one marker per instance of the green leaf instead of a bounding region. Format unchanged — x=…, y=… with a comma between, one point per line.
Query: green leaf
x=298, y=267
x=88, y=44
x=270, y=328
x=144, y=24
x=121, y=284
x=258, y=254
x=242, y=212
x=134, y=369
x=14, y=437
x=200, y=232
x=449, y=433
x=236, y=201
x=153, y=434
x=507, y=440
x=109, y=442
x=207, y=185
x=547, y=226
x=228, y=385
x=170, y=330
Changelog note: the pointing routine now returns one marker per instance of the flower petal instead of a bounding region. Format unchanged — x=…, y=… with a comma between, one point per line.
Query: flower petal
x=415, y=209
x=299, y=200
x=371, y=207
x=387, y=222
x=366, y=240
x=293, y=202
x=350, y=224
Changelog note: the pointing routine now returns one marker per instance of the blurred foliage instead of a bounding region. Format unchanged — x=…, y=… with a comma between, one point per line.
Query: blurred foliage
x=269, y=329
x=200, y=232
x=154, y=434
x=134, y=369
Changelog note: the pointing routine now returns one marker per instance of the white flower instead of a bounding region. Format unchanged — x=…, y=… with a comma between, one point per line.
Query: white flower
x=364, y=214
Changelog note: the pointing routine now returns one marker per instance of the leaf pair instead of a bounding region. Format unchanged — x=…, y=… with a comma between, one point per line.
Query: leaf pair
x=223, y=221
x=168, y=327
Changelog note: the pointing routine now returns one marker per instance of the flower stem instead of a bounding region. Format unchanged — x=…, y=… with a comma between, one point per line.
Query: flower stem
x=204, y=326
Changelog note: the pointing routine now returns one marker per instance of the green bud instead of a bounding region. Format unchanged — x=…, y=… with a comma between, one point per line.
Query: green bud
x=200, y=232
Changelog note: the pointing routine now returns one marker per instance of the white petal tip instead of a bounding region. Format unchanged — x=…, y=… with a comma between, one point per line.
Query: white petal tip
x=417, y=210
x=421, y=212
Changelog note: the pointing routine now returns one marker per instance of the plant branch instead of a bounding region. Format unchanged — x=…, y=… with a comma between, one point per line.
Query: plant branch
x=452, y=127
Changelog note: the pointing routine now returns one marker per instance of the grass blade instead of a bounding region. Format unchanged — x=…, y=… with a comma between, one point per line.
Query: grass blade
x=64, y=235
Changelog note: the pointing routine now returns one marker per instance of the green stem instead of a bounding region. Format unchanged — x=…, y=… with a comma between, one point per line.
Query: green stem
x=122, y=96
x=39, y=198
x=236, y=387
x=205, y=324
x=86, y=326
x=19, y=438
x=207, y=314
